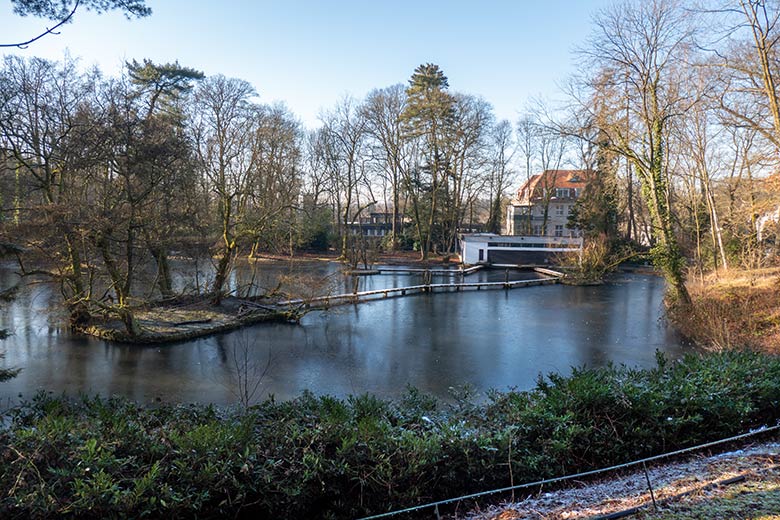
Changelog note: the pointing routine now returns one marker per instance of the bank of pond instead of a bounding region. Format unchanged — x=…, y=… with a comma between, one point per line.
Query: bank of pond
x=317, y=456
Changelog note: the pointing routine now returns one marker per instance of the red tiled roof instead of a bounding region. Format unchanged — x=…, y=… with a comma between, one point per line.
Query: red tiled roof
x=551, y=179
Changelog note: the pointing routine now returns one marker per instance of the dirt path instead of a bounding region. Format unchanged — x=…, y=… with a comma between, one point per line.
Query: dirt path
x=755, y=494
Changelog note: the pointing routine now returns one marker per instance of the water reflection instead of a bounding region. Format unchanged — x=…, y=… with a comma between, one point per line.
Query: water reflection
x=489, y=339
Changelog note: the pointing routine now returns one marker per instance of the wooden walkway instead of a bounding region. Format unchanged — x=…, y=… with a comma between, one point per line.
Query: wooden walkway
x=450, y=272
x=322, y=302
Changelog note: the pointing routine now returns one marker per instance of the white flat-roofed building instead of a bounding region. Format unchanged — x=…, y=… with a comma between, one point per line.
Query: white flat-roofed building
x=489, y=248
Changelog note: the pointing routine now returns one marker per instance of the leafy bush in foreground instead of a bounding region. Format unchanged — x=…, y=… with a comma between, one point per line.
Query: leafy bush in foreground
x=316, y=457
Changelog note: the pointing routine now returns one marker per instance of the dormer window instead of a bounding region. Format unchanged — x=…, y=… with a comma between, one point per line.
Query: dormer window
x=562, y=193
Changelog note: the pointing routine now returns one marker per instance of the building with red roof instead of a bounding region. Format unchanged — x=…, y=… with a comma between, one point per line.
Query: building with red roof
x=544, y=202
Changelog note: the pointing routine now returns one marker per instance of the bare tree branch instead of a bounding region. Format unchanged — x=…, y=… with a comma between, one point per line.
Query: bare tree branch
x=49, y=30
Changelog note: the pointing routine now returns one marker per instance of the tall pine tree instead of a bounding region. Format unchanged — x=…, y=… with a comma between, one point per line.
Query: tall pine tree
x=428, y=117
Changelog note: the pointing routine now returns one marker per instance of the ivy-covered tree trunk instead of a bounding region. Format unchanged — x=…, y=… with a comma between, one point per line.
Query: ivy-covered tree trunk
x=666, y=251
x=642, y=48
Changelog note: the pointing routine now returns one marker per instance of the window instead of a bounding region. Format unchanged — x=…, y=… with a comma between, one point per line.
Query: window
x=481, y=255
x=562, y=193
x=559, y=210
x=559, y=230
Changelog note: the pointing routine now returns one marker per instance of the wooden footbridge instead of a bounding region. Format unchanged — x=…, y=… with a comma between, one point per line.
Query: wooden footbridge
x=323, y=302
x=444, y=272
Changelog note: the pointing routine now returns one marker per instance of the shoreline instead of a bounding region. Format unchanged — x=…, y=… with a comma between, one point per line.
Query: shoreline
x=113, y=330
x=187, y=318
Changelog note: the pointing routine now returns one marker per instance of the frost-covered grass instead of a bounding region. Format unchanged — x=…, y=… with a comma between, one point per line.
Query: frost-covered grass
x=698, y=486
x=757, y=498
x=322, y=457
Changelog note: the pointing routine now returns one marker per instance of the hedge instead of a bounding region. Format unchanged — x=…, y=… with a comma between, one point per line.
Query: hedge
x=324, y=457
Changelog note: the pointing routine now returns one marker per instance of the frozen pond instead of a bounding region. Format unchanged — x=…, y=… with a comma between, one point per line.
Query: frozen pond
x=488, y=339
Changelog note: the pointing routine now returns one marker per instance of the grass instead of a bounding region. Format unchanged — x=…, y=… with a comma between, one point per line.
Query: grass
x=755, y=499
x=736, y=484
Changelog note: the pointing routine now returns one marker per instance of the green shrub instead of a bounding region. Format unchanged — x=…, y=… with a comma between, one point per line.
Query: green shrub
x=319, y=456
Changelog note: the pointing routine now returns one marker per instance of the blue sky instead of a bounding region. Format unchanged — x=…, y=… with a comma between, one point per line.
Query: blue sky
x=311, y=53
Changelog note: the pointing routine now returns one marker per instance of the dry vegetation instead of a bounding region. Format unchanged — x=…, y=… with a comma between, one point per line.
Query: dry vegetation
x=734, y=309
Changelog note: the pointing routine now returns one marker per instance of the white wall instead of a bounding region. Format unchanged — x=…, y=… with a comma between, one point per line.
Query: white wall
x=471, y=252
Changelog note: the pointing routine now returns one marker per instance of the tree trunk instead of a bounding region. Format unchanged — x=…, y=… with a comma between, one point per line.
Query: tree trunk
x=766, y=75
x=101, y=242
x=122, y=310
x=717, y=237
x=223, y=268
x=74, y=260
x=164, y=282
x=631, y=227
x=666, y=253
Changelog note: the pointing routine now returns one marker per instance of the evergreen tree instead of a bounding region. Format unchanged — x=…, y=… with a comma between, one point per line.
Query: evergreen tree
x=428, y=116
x=164, y=83
x=62, y=12
x=162, y=88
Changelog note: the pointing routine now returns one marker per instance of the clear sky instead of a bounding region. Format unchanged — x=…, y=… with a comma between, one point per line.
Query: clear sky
x=310, y=53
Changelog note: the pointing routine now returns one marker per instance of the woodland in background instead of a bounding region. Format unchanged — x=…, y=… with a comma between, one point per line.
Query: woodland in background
x=675, y=110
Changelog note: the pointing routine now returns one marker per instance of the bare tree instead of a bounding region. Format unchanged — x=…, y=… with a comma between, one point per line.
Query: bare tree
x=552, y=149
x=748, y=66
x=502, y=151
x=695, y=135
x=222, y=130
x=276, y=180
x=467, y=148
x=342, y=143
x=527, y=143
x=47, y=139
x=644, y=46
x=383, y=110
